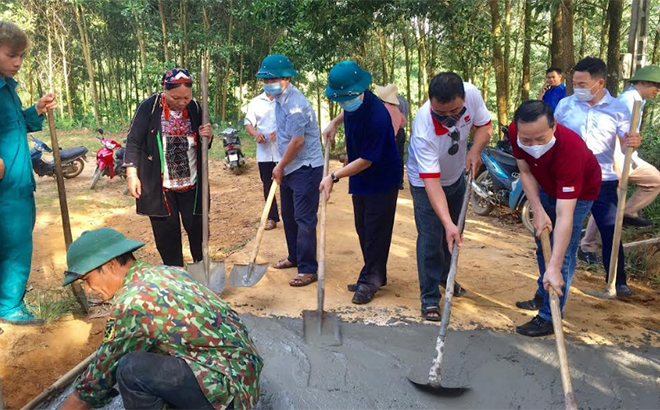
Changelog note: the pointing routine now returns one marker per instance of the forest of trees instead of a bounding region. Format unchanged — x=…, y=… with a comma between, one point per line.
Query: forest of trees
x=104, y=56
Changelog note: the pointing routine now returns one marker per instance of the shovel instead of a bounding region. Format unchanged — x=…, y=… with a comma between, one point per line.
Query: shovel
x=242, y=276
x=610, y=290
x=209, y=273
x=431, y=381
x=569, y=396
x=320, y=327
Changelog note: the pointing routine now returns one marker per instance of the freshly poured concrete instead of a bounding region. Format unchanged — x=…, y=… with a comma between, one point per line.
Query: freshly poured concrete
x=503, y=370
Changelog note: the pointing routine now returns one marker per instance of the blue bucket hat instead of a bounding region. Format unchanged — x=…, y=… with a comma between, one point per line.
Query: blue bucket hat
x=347, y=80
x=276, y=66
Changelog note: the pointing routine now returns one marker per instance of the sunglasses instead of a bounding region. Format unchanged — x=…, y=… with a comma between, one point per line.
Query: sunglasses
x=455, y=137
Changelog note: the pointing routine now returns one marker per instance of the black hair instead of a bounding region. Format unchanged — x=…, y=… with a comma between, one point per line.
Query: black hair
x=532, y=110
x=124, y=258
x=594, y=66
x=168, y=86
x=557, y=69
x=445, y=87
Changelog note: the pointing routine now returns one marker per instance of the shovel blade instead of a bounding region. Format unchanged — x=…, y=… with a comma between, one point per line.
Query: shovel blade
x=321, y=328
x=424, y=384
x=216, y=280
x=601, y=294
x=242, y=276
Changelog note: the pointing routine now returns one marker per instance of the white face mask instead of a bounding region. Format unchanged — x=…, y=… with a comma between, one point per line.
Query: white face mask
x=584, y=94
x=537, y=150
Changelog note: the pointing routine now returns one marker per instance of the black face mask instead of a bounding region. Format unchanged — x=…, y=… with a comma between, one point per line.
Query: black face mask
x=448, y=120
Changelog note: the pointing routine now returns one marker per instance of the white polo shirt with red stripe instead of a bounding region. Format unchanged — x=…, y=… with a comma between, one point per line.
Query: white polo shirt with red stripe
x=430, y=141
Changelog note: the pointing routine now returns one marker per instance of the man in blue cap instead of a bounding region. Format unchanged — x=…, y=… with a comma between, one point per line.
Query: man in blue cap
x=374, y=171
x=300, y=169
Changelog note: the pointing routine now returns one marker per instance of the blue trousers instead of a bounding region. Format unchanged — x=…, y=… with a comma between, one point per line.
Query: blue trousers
x=299, y=198
x=604, y=213
x=433, y=255
x=17, y=218
x=149, y=380
x=568, y=266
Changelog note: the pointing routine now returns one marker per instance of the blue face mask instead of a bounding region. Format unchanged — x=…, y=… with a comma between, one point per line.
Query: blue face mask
x=350, y=105
x=448, y=120
x=273, y=88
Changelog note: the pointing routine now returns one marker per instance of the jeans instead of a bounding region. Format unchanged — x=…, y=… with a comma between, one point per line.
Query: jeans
x=266, y=173
x=299, y=196
x=433, y=255
x=374, y=222
x=167, y=230
x=149, y=380
x=568, y=266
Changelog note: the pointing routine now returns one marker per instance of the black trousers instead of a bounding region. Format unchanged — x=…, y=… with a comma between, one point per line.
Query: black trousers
x=374, y=222
x=400, y=146
x=266, y=174
x=167, y=230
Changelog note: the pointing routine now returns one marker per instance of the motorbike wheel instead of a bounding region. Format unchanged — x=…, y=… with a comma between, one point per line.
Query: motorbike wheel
x=95, y=177
x=74, y=168
x=236, y=170
x=479, y=205
x=527, y=216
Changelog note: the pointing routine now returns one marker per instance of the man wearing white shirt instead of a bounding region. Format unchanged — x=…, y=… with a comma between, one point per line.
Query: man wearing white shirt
x=260, y=124
x=645, y=85
x=437, y=161
x=599, y=119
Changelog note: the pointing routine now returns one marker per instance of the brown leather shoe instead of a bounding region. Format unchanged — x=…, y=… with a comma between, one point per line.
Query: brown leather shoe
x=270, y=224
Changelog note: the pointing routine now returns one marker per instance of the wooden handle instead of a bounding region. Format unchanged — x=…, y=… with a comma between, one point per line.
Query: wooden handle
x=264, y=219
x=555, y=309
x=621, y=205
x=205, y=178
x=320, y=252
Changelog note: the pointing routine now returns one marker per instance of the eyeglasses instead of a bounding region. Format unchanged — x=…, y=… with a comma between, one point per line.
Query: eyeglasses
x=455, y=137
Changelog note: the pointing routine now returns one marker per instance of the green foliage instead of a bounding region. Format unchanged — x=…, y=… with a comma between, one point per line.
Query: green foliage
x=51, y=304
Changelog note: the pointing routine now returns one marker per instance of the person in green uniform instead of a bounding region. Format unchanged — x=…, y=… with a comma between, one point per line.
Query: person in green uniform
x=17, y=183
x=169, y=341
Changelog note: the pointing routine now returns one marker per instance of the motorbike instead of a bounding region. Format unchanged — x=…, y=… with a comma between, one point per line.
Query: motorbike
x=73, y=160
x=109, y=159
x=499, y=185
x=234, y=158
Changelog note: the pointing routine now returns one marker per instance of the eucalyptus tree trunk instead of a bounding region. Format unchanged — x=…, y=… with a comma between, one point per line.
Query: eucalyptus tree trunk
x=527, y=48
x=498, y=62
x=614, y=13
x=84, y=41
x=163, y=27
x=225, y=82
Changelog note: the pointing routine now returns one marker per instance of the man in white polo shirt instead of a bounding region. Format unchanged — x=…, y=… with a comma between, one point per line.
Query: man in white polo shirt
x=260, y=124
x=437, y=161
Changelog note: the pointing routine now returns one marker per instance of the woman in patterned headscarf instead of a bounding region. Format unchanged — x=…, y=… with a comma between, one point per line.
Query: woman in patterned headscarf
x=162, y=163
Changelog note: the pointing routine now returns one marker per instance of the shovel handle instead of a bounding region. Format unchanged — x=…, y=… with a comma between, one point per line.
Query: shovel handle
x=205, y=178
x=262, y=224
x=321, y=248
x=620, y=209
x=569, y=396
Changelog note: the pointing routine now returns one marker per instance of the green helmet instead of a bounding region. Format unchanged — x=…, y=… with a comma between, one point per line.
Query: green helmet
x=276, y=66
x=650, y=73
x=347, y=80
x=93, y=249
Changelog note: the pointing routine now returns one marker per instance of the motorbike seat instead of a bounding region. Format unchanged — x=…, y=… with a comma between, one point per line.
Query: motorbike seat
x=72, y=153
x=503, y=158
x=35, y=154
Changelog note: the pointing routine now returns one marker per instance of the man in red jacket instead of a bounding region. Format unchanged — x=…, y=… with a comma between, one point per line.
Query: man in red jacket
x=561, y=178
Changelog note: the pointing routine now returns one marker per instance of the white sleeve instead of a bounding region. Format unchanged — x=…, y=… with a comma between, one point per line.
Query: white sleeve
x=251, y=115
x=559, y=110
x=481, y=115
x=424, y=145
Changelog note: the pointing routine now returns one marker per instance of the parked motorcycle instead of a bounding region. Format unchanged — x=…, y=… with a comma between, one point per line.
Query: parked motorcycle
x=499, y=184
x=108, y=161
x=234, y=158
x=73, y=160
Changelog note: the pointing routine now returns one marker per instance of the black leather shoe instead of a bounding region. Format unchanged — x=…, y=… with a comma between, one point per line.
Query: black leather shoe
x=533, y=304
x=536, y=327
x=363, y=295
x=588, y=257
x=636, y=221
x=623, y=291
x=352, y=287
x=458, y=289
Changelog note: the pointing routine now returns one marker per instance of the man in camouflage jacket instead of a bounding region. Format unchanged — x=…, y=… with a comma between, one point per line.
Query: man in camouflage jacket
x=168, y=339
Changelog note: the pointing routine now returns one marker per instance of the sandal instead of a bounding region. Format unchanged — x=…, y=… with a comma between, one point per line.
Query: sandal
x=431, y=313
x=303, y=279
x=283, y=264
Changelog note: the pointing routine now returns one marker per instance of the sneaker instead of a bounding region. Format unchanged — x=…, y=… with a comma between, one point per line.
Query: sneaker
x=536, y=327
x=636, y=221
x=533, y=304
x=588, y=257
x=458, y=289
x=623, y=291
x=21, y=317
x=363, y=295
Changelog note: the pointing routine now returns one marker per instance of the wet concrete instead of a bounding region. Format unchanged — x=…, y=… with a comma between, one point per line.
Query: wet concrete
x=503, y=370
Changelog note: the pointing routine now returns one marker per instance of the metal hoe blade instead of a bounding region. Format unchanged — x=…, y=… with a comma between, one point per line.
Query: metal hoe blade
x=247, y=275
x=421, y=381
x=321, y=328
x=216, y=279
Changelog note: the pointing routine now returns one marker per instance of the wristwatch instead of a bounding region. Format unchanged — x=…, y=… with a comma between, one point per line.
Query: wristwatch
x=334, y=178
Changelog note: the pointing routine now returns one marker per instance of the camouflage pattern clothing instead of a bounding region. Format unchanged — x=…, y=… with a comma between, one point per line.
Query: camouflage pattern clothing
x=163, y=310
